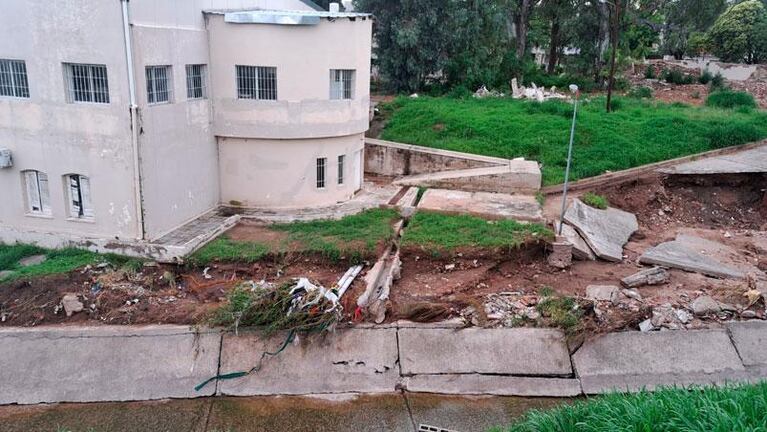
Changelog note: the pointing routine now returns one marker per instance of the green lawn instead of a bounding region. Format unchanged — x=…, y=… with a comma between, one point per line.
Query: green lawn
x=354, y=237
x=731, y=409
x=58, y=260
x=442, y=233
x=636, y=133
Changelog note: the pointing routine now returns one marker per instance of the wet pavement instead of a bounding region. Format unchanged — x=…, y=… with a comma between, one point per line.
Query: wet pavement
x=338, y=413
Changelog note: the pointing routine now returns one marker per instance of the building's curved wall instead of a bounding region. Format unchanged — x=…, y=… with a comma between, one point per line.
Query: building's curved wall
x=282, y=173
x=303, y=56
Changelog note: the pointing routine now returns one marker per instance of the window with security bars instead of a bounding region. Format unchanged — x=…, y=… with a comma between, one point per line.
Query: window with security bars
x=321, y=165
x=341, y=160
x=158, y=84
x=13, y=78
x=196, y=87
x=341, y=84
x=256, y=82
x=79, y=188
x=86, y=83
x=38, y=192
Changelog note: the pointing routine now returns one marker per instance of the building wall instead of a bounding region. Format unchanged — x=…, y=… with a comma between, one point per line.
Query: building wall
x=48, y=134
x=282, y=173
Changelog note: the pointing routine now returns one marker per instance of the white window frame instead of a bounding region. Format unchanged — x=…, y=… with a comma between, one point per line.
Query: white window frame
x=86, y=83
x=256, y=82
x=79, y=197
x=322, y=165
x=342, y=84
x=341, y=166
x=196, y=81
x=13, y=78
x=37, y=193
x=156, y=89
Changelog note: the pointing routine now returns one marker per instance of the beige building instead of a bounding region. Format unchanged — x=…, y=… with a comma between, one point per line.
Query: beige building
x=126, y=119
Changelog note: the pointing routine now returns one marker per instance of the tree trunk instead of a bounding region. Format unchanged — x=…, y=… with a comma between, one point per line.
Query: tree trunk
x=521, y=21
x=553, y=45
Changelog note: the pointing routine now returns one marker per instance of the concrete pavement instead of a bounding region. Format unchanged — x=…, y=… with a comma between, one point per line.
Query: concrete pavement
x=67, y=364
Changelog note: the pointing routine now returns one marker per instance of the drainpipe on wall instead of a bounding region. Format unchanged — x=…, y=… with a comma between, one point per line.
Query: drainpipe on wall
x=134, y=122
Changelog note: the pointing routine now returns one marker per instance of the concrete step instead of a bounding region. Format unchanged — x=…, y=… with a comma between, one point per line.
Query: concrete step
x=483, y=204
x=517, y=176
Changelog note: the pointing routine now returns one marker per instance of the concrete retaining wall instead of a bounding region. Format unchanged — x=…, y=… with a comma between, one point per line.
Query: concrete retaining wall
x=395, y=159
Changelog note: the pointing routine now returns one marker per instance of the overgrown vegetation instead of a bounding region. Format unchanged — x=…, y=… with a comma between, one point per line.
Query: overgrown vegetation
x=354, y=237
x=57, y=261
x=437, y=232
x=563, y=312
x=641, y=92
x=595, y=200
x=638, y=132
x=732, y=409
x=730, y=99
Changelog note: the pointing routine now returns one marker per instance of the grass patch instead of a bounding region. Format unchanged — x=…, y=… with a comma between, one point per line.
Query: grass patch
x=595, y=200
x=57, y=261
x=563, y=312
x=732, y=409
x=443, y=233
x=730, y=99
x=354, y=237
x=639, y=132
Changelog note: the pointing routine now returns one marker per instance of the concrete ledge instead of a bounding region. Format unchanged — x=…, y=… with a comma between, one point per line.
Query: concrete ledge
x=518, y=176
x=496, y=385
x=482, y=204
x=105, y=363
x=633, y=360
x=750, y=339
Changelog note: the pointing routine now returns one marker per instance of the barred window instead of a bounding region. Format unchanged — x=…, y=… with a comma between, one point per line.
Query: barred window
x=38, y=192
x=13, y=78
x=196, y=81
x=158, y=84
x=341, y=84
x=321, y=164
x=86, y=83
x=79, y=188
x=256, y=82
x=341, y=159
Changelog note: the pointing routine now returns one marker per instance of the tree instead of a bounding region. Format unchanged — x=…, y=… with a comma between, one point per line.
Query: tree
x=521, y=19
x=683, y=18
x=738, y=35
x=555, y=13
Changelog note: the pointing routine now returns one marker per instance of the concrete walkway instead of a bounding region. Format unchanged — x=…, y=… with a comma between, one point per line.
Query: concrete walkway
x=92, y=364
x=747, y=161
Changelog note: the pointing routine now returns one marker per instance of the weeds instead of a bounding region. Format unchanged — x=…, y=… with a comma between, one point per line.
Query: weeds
x=641, y=92
x=563, y=312
x=594, y=200
x=730, y=99
x=540, y=198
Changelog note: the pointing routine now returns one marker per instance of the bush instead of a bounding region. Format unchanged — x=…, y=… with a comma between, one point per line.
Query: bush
x=730, y=99
x=674, y=76
x=705, y=77
x=594, y=200
x=649, y=72
x=641, y=92
x=717, y=82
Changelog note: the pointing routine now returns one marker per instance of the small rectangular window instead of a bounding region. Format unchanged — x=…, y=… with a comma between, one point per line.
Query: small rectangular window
x=80, y=206
x=13, y=78
x=196, y=85
x=158, y=84
x=321, y=163
x=86, y=83
x=341, y=84
x=38, y=194
x=341, y=159
x=256, y=82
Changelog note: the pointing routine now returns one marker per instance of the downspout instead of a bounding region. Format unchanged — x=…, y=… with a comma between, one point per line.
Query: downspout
x=139, y=196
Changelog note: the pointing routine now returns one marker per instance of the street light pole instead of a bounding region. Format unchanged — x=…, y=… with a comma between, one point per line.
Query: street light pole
x=574, y=89
x=614, y=36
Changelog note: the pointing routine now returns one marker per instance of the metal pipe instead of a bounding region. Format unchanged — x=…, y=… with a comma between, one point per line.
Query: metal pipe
x=137, y=188
x=574, y=88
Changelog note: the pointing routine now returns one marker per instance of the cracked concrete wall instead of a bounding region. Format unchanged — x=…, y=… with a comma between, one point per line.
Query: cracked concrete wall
x=394, y=160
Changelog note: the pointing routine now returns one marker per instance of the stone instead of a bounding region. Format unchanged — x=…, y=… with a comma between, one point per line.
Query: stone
x=682, y=254
x=748, y=314
x=605, y=231
x=646, y=325
x=581, y=250
x=632, y=294
x=705, y=305
x=561, y=255
x=665, y=316
x=602, y=293
x=683, y=316
x=71, y=304
x=32, y=260
x=651, y=276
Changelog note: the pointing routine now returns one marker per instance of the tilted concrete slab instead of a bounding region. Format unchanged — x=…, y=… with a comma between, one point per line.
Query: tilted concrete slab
x=97, y=364
x=496, y=385
x=520, y=352
x=517, y=176
x=347, y=361
x=748, y=161
x=605, y=231
x=691, y=254
x=581, y=249
x=635, y=360
x=482, y=204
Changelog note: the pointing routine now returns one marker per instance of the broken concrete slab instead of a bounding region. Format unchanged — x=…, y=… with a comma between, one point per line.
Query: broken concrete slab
x=750, y=339
x=634, y=360
x=581, y=249
x=347, y=361
x=561, y=253
x=497, y=385
x=605, y=231
x=32, y=260
x=483, y=204
x=516, y=176
x=109, y=363
x=651, y=276
x=748, y=161
x=602, y=293
x=71, y=304
x=685, y=253
x=525, y=351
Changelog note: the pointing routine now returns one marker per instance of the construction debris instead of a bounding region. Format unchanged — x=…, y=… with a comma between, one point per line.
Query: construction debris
x=483, y=92
x=605, y=231
x=684, y=253
x=607, y=293
x=534, y=92
x=651, y=276
x=561, y=255
x=581, y=250
x=71, y=304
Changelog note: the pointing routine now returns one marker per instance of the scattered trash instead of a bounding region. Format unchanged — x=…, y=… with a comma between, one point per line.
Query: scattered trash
x=205, y=273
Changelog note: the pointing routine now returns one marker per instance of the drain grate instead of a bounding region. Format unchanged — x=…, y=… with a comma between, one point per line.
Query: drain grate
x=429, y=428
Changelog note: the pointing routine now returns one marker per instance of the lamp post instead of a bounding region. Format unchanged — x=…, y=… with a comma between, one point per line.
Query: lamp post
x=576, y=93
x=614, y=31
